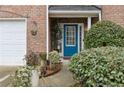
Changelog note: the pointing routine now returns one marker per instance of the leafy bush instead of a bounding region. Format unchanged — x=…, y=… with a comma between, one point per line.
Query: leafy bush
x=22, y=77
x=99, y=66
x=104, y=33
x=54, y=57
x=43, y=56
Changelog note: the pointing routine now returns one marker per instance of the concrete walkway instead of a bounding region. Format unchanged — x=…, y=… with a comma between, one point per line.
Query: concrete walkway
x=61, y=79
x=5, y=72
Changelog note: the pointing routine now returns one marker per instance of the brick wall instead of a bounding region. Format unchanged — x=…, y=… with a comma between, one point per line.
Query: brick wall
x=113, y=13
x=32, y=13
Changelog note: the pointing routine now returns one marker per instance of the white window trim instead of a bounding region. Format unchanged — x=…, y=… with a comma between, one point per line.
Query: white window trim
x=67, y=45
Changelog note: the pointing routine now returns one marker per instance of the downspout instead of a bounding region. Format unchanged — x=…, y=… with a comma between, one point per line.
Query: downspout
x=47, y=32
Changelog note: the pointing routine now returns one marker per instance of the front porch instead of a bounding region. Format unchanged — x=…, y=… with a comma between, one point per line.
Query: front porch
x=67, y=28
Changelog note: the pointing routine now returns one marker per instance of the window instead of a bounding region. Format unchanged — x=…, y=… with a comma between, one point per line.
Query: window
x=70, y=35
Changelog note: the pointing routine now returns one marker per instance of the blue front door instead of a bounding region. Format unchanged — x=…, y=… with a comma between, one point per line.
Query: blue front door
x=70, y=40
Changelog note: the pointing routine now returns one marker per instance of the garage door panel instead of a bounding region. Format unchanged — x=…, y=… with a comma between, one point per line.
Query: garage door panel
x=12, y=61
x=7, y=36
x=12, y=35
x=4, y=40
x=12, y=42
x=12, y=48
x=12, y=52
x=11, y=56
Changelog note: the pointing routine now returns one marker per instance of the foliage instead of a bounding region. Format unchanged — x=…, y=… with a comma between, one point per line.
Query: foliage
x=54, y=57
x=104, y=33
x=32, y=59
x=22, y=77
x=42, y=55
x=43, y=63
x=55, y=34
x=99, y=66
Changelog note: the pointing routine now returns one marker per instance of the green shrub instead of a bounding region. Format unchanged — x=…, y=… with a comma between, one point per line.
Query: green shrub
x=32, y=59
x=42, y=56
x=99, y=66
x=104, y=33
x=22, y=77
x=54, y=57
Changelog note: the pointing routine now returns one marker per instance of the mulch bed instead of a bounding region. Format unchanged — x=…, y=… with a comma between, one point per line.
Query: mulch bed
x=51, y=72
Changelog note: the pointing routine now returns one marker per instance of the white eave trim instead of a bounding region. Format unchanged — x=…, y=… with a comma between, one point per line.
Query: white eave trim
x=55, y=13
x=68, y=12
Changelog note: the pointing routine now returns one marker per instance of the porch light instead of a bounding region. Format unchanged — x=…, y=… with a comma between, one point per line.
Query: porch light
x=34, y=28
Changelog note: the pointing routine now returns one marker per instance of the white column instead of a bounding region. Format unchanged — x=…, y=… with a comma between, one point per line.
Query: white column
x=47, y=31
x=100, y=16
x=89, y=22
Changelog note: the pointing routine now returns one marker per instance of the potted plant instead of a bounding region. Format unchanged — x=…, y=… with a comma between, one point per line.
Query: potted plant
x=56, y=34
x=43, y=63
x=32, y=60
x=54, y=59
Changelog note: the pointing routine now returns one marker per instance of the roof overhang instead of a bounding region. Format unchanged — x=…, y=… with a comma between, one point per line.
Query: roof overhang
x=61, y=13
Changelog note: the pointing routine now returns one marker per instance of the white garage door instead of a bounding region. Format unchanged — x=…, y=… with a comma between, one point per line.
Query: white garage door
x=12, y=42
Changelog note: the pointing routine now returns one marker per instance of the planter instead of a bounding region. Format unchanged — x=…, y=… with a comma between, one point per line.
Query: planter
x=51, y=72
x=52, y=66
x=35, y=78
x=42, y=63
x=48, y=62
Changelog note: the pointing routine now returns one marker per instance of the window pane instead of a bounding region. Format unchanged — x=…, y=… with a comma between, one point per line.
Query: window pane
x=70, y=35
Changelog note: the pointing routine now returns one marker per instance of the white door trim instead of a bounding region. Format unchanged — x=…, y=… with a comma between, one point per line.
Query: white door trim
x=82, y=35
x=19, y=19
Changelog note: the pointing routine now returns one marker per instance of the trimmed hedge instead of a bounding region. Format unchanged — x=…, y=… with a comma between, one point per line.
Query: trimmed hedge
x=104, y=33
x=99, y=67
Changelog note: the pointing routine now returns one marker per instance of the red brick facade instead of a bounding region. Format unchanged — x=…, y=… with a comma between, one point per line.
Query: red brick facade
x=32, y=13
x=113, y=13
x=38, y=14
